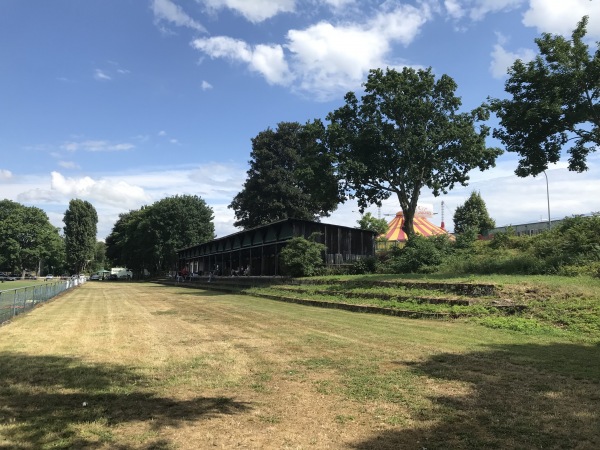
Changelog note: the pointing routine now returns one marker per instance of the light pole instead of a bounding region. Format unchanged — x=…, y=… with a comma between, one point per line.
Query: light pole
x=548, y=198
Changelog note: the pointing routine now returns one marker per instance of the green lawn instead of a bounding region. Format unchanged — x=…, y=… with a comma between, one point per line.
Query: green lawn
x=140, y=366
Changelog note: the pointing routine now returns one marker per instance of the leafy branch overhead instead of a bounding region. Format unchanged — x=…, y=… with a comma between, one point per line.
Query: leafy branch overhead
x=554, y=104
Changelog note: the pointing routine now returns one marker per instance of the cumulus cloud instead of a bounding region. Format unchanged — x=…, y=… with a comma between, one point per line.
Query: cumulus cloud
x=502, y=59
x=96, y=146
x=256, y=10
x=167, y=11
x=454, y=8
x=268, y=60
x=116, y=192
x=325, y=59
x=5, y=174
x=561, y=16
x=206, y=85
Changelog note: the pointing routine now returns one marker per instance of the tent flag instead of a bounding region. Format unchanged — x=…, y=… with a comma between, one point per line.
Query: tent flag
x=421, y=225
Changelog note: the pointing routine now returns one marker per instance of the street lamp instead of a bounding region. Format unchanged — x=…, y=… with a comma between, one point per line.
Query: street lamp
x=548, y=198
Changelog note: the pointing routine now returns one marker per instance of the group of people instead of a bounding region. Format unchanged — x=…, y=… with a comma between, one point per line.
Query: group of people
x=242, y=271
x=183, y=274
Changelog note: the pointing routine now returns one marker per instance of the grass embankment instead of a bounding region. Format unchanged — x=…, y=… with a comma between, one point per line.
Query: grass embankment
x=132, y=366
x=568, y=307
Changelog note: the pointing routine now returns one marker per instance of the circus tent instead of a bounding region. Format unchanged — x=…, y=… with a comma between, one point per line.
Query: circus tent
x=422, y=226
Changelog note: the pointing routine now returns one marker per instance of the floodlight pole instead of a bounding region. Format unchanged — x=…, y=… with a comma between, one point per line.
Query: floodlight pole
x=548, y=198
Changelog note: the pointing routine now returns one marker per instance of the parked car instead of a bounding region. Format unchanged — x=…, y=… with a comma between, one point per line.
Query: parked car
x=6, y=277
x=49, y=277
x=94, y=276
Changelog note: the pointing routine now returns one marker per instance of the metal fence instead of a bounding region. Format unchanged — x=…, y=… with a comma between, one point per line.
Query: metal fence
x=17, y=301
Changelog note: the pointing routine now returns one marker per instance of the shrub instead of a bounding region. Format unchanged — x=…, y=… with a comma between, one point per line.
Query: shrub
x=302, y=257
x=364, y=265
x=419, y=252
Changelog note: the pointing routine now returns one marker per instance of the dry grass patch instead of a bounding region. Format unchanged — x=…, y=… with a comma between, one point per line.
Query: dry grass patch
x=139, y=366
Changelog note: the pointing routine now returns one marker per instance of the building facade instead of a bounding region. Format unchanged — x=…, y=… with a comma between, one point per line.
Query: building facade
x=256, y=251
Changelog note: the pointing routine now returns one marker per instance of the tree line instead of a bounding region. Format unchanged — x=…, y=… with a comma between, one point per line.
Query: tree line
x=29, y=242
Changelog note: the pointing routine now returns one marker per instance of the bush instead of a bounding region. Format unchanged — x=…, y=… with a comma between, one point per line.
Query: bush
x=418, y=253
x=364, y=265
x=302, y=257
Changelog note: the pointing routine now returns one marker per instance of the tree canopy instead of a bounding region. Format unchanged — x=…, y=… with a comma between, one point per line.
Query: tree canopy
x=291, y=175
x=372, y=223
x=26, y=237
x=81, y=224
x=555, y=101
x=150, y=237
x=406, y=134
x=473, y=214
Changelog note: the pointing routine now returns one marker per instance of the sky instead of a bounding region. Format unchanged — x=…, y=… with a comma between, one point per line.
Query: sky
x=125, y=102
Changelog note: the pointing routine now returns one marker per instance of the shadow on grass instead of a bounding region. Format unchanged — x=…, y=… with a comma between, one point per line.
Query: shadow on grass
x=519, y=397
x=45, y=399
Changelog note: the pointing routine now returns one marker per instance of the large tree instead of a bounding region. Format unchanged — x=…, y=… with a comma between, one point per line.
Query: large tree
x=473, y=214
x=555, y=102
x=27, y=237
x=178, y=222
x=406, y=134
x=149, y=238
x=369, y=222
x=81, y=223
x=291, y=175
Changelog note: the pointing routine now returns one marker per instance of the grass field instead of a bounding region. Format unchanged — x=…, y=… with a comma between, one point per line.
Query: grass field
x=143, y=366
x=23, y=283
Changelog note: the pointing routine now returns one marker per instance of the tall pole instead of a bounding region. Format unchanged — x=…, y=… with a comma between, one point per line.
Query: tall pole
x=548, y=198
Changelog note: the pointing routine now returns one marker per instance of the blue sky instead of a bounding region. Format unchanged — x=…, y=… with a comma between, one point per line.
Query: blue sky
x=125, y=102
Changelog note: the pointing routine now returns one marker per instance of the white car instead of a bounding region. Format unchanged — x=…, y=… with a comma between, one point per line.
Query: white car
x=49, y=277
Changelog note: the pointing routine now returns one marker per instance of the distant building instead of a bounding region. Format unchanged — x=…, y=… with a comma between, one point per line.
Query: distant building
x=526, y=229
x=257, y=250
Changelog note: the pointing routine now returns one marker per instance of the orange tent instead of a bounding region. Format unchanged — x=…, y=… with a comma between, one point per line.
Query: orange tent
x=422, y=226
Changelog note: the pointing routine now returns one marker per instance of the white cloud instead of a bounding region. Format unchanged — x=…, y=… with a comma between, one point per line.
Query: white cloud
x=454, y=8
x=324, y=59
x=100, y=75
x=162, y=133
x=5, y=174
x=483, y=7
x=96, y=146
x=268, y=60
x=166, y=10
x=255, y=10
x=478, y=9
x=561, y=16
x=206, y=85
x=68, y=164
x=115, y=192
x=502, y=59
x=339, y=4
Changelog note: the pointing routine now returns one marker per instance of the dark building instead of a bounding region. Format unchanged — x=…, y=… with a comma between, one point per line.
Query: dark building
x=257, y=250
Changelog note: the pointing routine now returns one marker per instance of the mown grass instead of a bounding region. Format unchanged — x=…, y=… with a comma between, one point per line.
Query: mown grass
x=143, y=366
x=545, y=305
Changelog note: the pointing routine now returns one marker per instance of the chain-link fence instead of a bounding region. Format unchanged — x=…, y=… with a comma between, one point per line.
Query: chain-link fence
x=16, y=301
